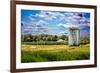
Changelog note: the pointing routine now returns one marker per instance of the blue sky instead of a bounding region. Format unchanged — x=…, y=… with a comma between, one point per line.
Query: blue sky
x=54, y=22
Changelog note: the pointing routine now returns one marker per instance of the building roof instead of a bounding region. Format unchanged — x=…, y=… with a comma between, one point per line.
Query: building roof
x=60, y=40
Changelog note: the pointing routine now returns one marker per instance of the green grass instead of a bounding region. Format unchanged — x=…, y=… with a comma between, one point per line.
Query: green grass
x=45, y=53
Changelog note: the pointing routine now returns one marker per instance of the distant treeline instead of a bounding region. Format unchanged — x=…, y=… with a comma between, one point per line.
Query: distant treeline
x=45, y=39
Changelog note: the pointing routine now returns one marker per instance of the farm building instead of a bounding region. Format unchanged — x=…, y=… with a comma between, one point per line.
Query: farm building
x=60, y=40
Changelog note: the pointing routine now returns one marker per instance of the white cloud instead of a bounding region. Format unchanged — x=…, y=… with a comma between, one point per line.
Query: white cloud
x=64, y=32
x=40, y=15
x=34, y=27
x=68, y=17
x=75, y=18
x=31, y=18
x=41, y=22
x=63, y=25
x=59, y=14
x=49, y=15
x=65, y=19
x=44, y=14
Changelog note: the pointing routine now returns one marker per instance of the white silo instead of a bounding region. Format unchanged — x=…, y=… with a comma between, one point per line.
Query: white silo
x=74, y=35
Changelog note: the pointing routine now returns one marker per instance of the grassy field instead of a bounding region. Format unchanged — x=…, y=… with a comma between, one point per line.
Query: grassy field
x=44, y=53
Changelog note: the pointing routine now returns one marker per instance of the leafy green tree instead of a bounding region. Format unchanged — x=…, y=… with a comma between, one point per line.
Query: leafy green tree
x=63, y=37
x=84, y=40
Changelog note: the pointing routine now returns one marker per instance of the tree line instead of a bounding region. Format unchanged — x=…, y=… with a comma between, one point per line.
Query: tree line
x=43, y=37
x=49, y=39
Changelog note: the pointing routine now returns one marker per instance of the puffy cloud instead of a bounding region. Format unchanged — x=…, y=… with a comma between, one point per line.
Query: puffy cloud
x=76, y=18
x=62, y=25
x=66, y=25
x=42, y=22
x=34, y=27
x=45, y=15
x=64, y=32
x=40, y=15
x=68, y=17
x=31, y=17
x=49, y=15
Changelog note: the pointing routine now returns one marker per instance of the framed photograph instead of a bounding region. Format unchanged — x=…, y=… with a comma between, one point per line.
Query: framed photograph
x=52, y=36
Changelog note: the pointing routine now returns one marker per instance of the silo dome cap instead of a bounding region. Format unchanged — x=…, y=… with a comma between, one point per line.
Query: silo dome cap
x=73, y=26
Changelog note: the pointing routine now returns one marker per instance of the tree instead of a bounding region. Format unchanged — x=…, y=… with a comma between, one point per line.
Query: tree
x=63, y=37
x=84, y=40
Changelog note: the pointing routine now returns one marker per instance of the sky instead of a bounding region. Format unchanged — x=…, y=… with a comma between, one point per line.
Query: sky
x=54, y=22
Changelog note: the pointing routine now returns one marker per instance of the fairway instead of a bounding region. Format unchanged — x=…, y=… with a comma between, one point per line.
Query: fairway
x=45, y=53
